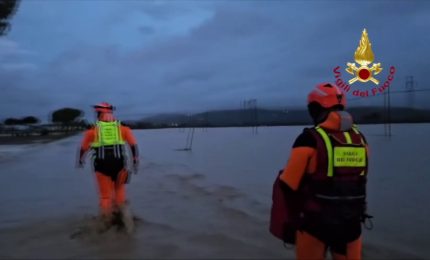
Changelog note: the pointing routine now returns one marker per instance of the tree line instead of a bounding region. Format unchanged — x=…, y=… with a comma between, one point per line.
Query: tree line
x=61, y=116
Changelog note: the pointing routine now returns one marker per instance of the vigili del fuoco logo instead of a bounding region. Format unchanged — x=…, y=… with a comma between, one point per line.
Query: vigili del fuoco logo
x=364, y=72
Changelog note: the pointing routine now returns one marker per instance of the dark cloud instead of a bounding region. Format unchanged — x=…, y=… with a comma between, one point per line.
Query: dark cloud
x=276, y=52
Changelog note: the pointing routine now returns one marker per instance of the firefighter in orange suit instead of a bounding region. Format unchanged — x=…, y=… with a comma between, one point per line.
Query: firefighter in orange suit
x=107, y=140
x=327, y=168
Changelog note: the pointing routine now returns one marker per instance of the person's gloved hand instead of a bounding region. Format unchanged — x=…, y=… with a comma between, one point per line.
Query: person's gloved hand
x=80, y=158
x=81, y=163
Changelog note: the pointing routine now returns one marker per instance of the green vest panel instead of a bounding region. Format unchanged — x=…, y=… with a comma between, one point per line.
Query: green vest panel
x=108, y=133
x=346, y=156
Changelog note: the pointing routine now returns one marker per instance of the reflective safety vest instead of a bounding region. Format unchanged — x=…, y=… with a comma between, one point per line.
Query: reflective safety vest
x=108, y=133
x=108, y=138
x=338, y=187
x=342, y=152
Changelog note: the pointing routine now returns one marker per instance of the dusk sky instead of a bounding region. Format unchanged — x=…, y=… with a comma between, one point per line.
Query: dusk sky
x=149, y=57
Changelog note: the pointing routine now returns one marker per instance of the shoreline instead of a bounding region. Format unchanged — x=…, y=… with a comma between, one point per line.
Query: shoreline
x=35, y=139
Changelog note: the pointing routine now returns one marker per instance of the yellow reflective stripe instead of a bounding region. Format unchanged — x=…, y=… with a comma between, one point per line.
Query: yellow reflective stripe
x=101, y=136
x=329, y=148
x=121, y=141
x=355, y=129
x=118, y=129
x=98, y=138
x=349, y=157
x=347, y=137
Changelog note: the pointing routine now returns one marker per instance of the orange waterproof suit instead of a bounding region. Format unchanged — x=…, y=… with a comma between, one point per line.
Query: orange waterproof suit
x=110, y=166
x=317, y=232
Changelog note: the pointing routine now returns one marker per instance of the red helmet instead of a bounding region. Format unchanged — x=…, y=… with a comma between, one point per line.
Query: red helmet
x=104, y=107
x=327, y=95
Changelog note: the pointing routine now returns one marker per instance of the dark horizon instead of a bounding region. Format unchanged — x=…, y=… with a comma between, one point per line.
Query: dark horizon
x=150, y=57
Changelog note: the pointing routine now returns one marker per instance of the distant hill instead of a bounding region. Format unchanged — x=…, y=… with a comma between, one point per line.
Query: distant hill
x=377, y=115
x=273, y=117
x=166, y=118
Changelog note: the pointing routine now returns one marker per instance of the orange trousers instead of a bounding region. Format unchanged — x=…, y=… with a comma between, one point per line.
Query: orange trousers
x=310, y=248
x=111, y=194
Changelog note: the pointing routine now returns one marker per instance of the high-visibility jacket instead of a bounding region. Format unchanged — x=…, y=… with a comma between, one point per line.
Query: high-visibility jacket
x=338, y=185
x=107, y=138
x=107, y=133
x=327, y=174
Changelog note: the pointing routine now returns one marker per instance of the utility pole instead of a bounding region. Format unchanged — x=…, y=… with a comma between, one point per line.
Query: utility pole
x=387, y=113
x=206, y=121
x=410, y=88
x=384, y=115
x=190, y=137
x=255, y=116
x=250, y=114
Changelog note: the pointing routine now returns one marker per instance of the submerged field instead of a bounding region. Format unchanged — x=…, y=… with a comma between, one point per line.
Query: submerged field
x=211, y=202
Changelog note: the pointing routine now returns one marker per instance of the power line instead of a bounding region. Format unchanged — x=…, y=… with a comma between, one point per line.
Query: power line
x=392, y=92
x=409, y=89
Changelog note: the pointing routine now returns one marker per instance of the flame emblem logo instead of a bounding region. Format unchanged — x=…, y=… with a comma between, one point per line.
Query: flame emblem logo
x=364, y=56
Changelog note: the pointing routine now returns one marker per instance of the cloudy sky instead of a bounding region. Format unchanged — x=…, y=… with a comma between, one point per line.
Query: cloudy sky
x=147, y=57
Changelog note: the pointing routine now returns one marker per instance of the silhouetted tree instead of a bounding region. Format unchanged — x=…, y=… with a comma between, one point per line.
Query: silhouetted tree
x=29, y=120
x=12, y=121
x=21, y=121
x=7, y=9
x=66, y=115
